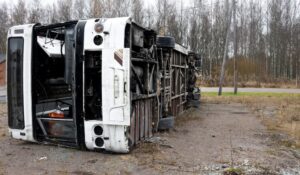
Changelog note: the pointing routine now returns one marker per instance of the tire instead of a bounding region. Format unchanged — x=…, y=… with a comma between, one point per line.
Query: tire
x=193, y=104
x=165, y=41
x=196, y=96
x=166, y=123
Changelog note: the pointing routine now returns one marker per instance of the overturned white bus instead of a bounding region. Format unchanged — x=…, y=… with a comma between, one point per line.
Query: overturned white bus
x=96, y=84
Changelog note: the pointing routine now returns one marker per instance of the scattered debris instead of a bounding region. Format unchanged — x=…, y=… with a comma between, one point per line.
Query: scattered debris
x=225, y=166
x=43, y=158
x=296, y=153
x=159, y=141
x=92, y=161
x=255, y=150
x=246, y=162
x=233, y=171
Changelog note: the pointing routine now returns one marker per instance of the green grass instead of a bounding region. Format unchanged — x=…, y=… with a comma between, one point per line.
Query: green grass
x=241, y=94
x=231, y=171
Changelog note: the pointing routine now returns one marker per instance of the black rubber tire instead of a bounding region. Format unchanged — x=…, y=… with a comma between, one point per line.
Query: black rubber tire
x=196, y=96
x=166, y=123
x=165, y=41
x=193, y=104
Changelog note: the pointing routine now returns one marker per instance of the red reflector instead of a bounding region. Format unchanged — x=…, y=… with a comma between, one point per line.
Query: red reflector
x=56, y=114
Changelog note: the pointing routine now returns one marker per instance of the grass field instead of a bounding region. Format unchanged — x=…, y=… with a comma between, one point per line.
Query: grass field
x=279, y=112
x=245, y=94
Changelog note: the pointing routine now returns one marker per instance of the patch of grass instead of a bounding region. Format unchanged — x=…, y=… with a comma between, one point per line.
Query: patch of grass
x=278, y=111
x=233, y=171
x=187, y=116
x=241, y=94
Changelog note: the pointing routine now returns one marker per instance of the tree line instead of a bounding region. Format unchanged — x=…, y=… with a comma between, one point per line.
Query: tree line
x=267, y=33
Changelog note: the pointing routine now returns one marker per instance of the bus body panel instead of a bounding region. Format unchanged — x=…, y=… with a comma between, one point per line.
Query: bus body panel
x=115, y=88
x=115, y=85
x=24, y=31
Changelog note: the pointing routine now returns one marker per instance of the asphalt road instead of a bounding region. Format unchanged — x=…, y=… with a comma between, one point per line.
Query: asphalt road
x=272, y=90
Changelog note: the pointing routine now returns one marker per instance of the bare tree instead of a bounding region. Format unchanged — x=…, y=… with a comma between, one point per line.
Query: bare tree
x=266, y=35
x=149, y=17
x=19, y=13
x=64, y=10
x=173, y=26
x=183, y=22
x=235, y=47
x=229, y=13
x=96, y=8
x=165, y=10
x=219, y=34
x=116, y=8
x=205, y=42
x=79, y=9
x=194, y=27
x=35, y=12
x=51, y=14
x=3, y=27
x=138, y=11
x=120, y=8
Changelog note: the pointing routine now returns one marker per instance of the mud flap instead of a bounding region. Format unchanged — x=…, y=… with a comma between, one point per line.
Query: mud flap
x=166, y=123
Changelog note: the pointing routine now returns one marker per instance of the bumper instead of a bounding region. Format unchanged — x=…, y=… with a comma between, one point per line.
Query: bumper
x=112, y=138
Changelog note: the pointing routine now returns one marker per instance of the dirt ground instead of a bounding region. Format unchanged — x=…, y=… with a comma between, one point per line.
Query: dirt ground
x=208, y=140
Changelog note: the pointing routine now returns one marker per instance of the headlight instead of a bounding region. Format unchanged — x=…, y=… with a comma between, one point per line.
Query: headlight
x=98, y=40
x=99, y=28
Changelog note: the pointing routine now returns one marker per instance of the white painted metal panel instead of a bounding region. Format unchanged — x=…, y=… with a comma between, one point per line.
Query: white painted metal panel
x=181, y=49
x=89, y=134
x=115, y=88
x=27, y=90
x=89, y=35
x=52, y=47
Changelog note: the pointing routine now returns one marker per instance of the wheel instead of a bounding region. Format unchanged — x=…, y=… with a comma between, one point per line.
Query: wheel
x=165, y=41
x=193, y=104
x=166, y=123
x=196, y=96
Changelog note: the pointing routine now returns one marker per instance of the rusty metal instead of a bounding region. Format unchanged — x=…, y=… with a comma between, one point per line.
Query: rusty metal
x=159, y=88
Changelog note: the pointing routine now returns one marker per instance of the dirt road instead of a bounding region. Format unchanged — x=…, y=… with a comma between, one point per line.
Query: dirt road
x=265, y=90
x=205, y=141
